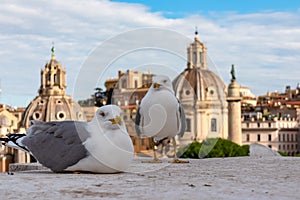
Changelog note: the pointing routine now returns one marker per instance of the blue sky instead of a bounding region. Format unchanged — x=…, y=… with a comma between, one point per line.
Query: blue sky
x=260, y=37
x=179, y=8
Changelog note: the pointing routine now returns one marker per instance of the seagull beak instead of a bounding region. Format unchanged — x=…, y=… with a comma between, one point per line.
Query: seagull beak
x=156, y=85
x=116, y=120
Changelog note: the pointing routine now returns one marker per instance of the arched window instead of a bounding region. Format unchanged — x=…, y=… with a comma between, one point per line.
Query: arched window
x=55, y=78
x=213, y=125
x=188, y=125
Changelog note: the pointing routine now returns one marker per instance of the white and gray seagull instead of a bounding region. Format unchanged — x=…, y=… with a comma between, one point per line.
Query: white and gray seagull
x=160, y=114
x=99, y=146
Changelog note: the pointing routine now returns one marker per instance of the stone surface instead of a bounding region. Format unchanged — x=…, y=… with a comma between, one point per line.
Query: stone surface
x=218, y=178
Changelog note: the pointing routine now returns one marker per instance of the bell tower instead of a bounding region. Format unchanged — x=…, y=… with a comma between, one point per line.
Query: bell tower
x=53, y=77
x=196, y=54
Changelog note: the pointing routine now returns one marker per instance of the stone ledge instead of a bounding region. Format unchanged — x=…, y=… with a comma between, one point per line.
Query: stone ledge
x=218, y=178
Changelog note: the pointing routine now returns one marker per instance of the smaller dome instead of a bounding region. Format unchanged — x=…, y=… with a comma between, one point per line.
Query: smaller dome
x=52, y=108
x=52, y=104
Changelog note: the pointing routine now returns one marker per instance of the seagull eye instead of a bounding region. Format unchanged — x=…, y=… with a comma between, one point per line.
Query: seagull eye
x=165, y=81
x=102, y=114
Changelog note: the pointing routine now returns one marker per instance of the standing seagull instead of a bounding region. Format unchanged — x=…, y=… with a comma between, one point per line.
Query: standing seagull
x=100, y=146
x=160, y=114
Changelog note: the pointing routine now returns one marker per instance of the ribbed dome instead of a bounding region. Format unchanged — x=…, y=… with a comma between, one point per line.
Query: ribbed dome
x=199, y=84
x=52, y=104
x=52, y=108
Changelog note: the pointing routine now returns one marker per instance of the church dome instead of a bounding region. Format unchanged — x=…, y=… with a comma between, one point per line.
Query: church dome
x=199, y=84
x=202, y=94
x=52, y=104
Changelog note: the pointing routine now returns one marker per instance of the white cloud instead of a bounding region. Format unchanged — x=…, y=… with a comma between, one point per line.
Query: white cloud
x=264, y=46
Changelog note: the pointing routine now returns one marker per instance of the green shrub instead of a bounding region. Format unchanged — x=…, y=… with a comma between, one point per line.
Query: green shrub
x=282, y=153
x=190, y=151
x=214, y=148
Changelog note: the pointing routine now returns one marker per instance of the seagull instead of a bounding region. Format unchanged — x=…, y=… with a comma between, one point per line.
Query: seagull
x=99, y=146
x=160, y=115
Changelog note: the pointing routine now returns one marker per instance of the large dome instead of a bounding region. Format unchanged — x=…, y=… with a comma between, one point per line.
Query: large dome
x=199, y=84
x=52, y=104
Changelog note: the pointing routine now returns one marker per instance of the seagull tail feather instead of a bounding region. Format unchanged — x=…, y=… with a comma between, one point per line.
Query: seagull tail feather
x=13, y=141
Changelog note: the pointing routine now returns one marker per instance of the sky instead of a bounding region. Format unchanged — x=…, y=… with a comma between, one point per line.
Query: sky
x=96, y=38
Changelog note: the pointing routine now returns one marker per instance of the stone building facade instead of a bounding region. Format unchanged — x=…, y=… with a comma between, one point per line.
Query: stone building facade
x=279, y=134
x=127, y=91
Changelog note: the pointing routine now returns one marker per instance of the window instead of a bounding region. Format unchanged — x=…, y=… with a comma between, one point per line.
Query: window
x=61, y=115
x=55, y=78
x=270, y=146
x=270, y=137
x=135, y=84
x=292, y=137
x=258, y=125
x=258, y=137
x=247, y=137
x=213, y=125
x=270, y=124
x=195, y=58
x=188, y=125
x=124, y=84
x=279, y=137
x=283, y=137
x=200, y=57
x=247, y=125
x=279, y=147
x=288, y=137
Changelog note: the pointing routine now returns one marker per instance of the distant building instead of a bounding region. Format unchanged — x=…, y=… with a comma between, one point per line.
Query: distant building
x=126, y=91
x=279, y=134
x=274, y=122
x=248, y=98
x=9, y=123
x=202, y=94
x=52, y=104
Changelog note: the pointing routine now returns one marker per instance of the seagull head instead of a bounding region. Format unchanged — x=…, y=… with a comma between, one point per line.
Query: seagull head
x=162, y=82
x=109, y=117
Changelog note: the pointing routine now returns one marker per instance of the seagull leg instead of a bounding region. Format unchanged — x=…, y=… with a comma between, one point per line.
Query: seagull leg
x=155, y=159
x=176, y=160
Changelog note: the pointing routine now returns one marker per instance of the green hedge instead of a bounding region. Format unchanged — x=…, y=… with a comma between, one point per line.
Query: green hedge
x=214, y=148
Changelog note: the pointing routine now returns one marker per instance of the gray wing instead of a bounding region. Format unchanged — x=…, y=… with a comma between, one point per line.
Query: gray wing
x=138, y=122
x=181, y=119
x=57, y=145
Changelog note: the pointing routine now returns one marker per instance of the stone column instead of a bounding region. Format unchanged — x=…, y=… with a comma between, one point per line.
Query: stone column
x=234, y=113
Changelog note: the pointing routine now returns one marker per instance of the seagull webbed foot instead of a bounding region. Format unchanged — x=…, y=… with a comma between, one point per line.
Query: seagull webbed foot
x=176, y=160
